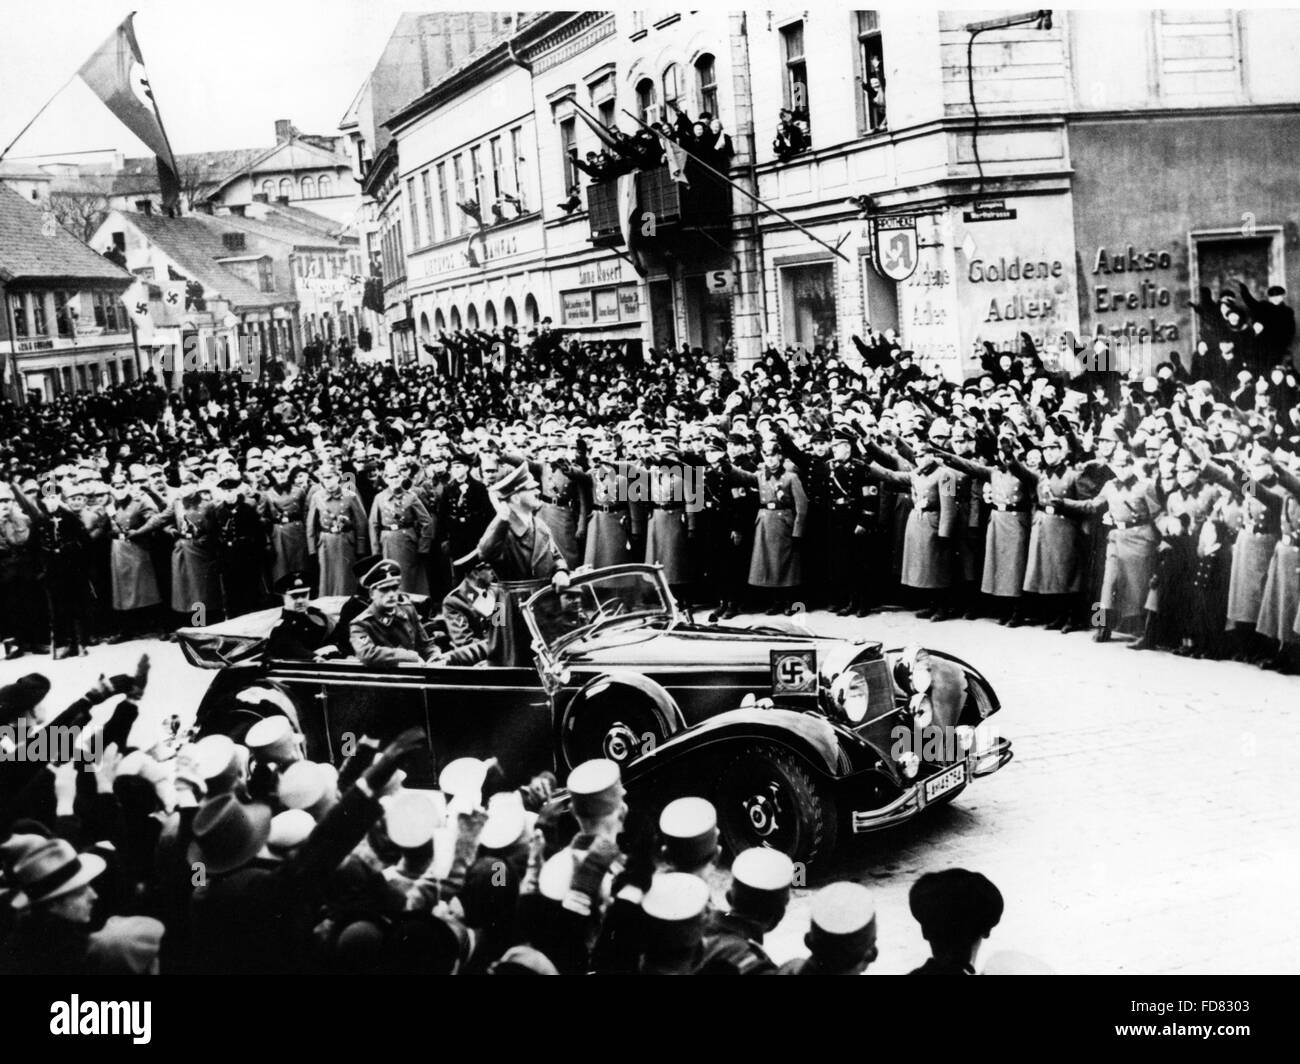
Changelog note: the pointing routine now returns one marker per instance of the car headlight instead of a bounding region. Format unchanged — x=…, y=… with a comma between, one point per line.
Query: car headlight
x=909, y=764
x=922, y=710
x=852, y=695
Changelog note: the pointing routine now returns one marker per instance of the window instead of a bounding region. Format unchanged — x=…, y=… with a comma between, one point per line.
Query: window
x=458, y=171
x=265, y=278
x=19, y=314
x=109, y=314
x=490, y=315
x=706, y=84
x=517, y=157
x=794, y=90
x=603, y=101
x=808, y=304
x=508, y=310
x=400, y=265
x=871, y=73
x=439, y=321
x=308, y=188
x=672, y=82
x=455, y=319
x=568, y=145
x=471, y=317
x=413, y=212
x=286, y=188
x=268, y=189
x=531, y=314
x=233, y=241
x=427, y=189
x=63, y=313
x=494, y=151
x=443, y=207
x=647, y=105
x=477, y=176
x=324, y=187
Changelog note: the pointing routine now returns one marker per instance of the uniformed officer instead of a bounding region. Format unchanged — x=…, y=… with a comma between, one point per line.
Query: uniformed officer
x=926, y=565
x=283, y=506
x=389, y=632
x=961, y=521
x=1053, y=566
x=1177, y=599
x=63, y=567
x=957, y=911
x=759, y=892
x=565, y=507
x=841, y=934
x=468, y=608
x=725, y=523
x=337, y=533
x=401, y=528
x=464, y=509
x=240, y=548
x=302, y=629
x=1279, y=610
x=17, y=576
x=774, y=565
x=1093, y=475
x=672, y=516
x=1130, y=505
x=853, y=527
x=609, y=529
x=134, y=582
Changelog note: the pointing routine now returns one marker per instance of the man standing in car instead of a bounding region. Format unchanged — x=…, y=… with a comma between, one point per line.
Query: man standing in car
x=523, y=553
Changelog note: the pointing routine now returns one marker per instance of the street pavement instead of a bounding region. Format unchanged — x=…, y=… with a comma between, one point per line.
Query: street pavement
x=1148, y=823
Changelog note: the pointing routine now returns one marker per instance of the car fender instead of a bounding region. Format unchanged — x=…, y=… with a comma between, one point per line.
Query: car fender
x=811, y=736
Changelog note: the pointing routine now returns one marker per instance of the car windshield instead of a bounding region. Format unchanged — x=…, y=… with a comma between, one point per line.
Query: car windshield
x=590, y=603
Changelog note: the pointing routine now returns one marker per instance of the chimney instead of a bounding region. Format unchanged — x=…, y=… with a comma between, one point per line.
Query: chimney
x=283, y=130
x=144, y=206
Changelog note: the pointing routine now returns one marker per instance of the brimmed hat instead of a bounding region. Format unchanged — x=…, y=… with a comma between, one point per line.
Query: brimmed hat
x=50, y=871
x=22, y=696
x=126, y=945
x=515, y=479
x=411, y=817
x=306, y=784
x=385, y=573
x=229, y=833
x=467, y=563
x=464, y=776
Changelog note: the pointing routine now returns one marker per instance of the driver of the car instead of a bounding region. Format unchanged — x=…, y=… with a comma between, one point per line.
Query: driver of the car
x=389, y=632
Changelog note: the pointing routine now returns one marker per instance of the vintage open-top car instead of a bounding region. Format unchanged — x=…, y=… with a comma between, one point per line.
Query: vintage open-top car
x=798, y=739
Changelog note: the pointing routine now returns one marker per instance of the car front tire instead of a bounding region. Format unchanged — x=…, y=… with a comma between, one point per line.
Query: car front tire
x=766, y=796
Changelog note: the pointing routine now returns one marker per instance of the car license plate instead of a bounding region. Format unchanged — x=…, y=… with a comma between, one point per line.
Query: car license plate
x=944, y=782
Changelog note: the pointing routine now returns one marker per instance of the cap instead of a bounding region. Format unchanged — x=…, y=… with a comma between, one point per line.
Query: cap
x=516, y=478
x=291, y=582
x=305, y=784
x=385, y=573
x=596, y=787
x=843, y=923
x=506, y=824
x=464, y=776
x=674, y=908
x=689, y=827
x=760, y=880
x=411, y=817
x=289, y=830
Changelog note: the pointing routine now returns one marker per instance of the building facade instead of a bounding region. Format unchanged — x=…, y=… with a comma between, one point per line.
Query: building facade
x=64, y=327
x=961, y=177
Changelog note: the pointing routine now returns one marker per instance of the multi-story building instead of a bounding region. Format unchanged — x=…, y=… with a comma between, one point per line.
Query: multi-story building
x=64, y=328
x=959, y=176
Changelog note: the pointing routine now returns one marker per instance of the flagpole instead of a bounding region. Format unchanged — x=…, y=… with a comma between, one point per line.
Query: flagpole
x=739, y=188
x=38, y=115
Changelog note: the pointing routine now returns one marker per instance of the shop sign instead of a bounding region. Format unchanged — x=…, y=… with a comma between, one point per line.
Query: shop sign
x=629, y=302
x=989, y=210
x=896, y=246
x=719, y=281
x=575, y=307
x=606, y=305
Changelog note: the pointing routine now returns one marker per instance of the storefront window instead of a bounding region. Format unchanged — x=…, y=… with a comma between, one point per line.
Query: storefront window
x=808, y=303
x=18, y=314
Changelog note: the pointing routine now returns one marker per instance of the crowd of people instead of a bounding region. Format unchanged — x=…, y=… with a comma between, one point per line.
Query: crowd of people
x=235, y=855
x=1048, y=487
x=703, y=137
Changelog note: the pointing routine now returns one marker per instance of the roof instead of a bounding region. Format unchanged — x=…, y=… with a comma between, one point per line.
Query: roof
x=197, y=168
x=31, y=248
x=318, y=157
x=195, y=247
x=283, y=229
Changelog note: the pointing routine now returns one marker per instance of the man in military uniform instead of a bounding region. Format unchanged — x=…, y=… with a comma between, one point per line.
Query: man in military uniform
x=283, y=507
x=241, y=544
x=337, y=533
x=135, y=593
x=609, y=529
x=957, y=911
x=401, y=527
x=849, y=526
x=724, y=522
x=16, y=576
x=389, y=632
x=63, y=567
x=774, y=565
x=302, y=629
x=464, y=510
x=565, y=507
x=760, y=890
x=468, y=608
